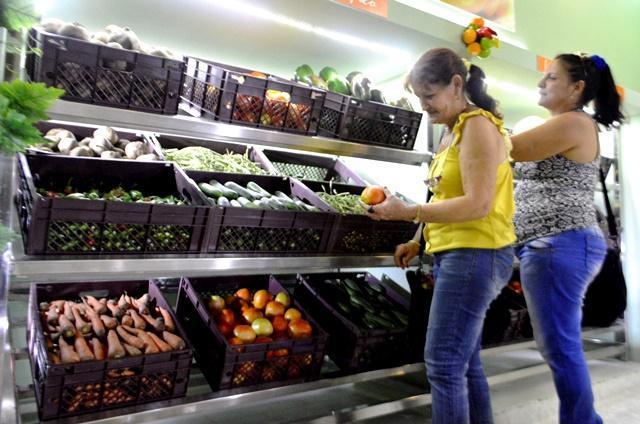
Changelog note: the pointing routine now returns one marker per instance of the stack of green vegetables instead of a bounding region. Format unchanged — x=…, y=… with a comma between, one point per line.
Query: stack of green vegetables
x=117, y=194
x=345, y=203
x=198, y=158
x=231, y=194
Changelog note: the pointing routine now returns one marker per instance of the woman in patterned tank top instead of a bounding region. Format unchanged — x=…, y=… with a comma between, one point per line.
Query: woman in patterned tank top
x=561, y=247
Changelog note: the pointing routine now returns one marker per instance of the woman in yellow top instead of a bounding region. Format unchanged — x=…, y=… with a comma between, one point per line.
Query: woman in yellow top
x=468, y=228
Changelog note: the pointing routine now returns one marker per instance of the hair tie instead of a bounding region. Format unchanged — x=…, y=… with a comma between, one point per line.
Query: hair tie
x=598, y=62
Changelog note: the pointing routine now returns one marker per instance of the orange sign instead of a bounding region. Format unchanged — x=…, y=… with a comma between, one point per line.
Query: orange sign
x=377, y=7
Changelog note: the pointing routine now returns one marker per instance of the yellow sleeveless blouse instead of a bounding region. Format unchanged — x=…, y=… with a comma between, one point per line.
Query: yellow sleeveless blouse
x=495, y=230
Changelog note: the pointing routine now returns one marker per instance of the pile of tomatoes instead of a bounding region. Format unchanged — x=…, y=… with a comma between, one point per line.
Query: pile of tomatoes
x=258, y=317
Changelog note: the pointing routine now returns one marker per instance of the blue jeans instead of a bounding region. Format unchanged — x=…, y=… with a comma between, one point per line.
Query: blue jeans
x=555, y=273
x=466, y=282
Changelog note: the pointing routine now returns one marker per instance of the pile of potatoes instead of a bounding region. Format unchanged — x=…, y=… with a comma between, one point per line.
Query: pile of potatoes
x=105, y=143
x=111, y=36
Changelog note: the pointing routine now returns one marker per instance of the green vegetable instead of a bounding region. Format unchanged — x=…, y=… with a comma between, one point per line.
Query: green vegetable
x=328, y=73
x=17, y=14
x=255, y=187
x=303, y=73
x=249, y=194
x=223, y=201
x=209, y=190
x=226, y=192
x=377, y=96
x=318, y=82
x=202, y=159
x=338, y=85
x=345, y=203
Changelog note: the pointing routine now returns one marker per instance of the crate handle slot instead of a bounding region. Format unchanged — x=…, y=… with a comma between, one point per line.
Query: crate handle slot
x=95, y=293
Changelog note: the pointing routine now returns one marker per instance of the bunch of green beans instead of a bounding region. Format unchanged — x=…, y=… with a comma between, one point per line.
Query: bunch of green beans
x=346, y=203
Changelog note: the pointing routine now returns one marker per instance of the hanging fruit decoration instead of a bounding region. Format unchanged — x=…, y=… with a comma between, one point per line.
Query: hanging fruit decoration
x=479, y=38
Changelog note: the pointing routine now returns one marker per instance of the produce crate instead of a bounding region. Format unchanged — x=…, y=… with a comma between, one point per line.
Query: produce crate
x=82, y=130
x=359, y=234
x=311, y=167
x=353, y=346
x=92, y=73
x=72, y=226
x=254, y=154
x=230, y=94
x=368, y=122
x=91, y=386
x=246, y=232
x=248, y=366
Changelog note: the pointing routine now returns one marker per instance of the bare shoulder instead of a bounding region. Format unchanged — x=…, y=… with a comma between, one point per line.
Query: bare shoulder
x=481, y=130
x=571, y=124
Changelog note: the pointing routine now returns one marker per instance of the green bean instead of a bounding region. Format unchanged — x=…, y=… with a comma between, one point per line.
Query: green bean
x=345, y=203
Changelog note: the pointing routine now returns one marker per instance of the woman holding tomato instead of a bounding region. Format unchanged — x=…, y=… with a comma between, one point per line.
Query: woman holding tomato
x=468, y=228
x=561, y=247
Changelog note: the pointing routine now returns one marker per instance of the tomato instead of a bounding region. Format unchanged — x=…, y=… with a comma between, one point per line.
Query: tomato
x=244, y=293
x=251, y=314
x=245, y=333
x=263, y=339
x=216, y=303
x=261, y=298
x=372, y=195
x=229, y=300
x=277, y=353
x=300, y=329
x=225, y=328
x=235, y=341
x=479, y=22
x=292, y=314
x=262, y=327
x=469, y=35
x=280, y=324
x=274, y=308
x=227, y=316
x=283, y=298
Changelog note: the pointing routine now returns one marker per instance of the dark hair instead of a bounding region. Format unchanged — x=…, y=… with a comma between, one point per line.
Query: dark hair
x=598, y=86
x=438, y=66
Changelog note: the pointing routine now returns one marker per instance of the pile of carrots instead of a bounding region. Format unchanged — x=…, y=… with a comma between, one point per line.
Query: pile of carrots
x=97, y=329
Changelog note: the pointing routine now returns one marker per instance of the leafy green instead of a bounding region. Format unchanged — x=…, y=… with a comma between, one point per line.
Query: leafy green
x=21, y=105
x=17, y=14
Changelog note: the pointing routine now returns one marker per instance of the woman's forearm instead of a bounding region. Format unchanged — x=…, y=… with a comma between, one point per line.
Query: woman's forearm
x=458, y=209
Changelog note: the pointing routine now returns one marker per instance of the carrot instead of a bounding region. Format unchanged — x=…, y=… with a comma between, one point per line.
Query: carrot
x=127, y=320
x=68, y=311
x=98, y=349
x=81, y=324
x=67, y=354
x=156, y=323
x=162, y=345
x=142, y=304
x=54, y=336
x=109, y=322
x=96, y=323
x=52, y=315
x=138, y=322
x=130, y=339
x=66, y=327
x=168, y=321
x=116, y=311
x=95, y=304
x=83, y=348
x=122, y=302
x=54, y=358
x=150, y=345
x=132, y=350
x=173, y=340
x=114, y=347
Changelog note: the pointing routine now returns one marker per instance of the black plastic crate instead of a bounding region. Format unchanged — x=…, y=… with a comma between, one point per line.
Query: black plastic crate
x=235, y=95
x=70, y=389
x=311, y=167
x=89, y=227
x=83, y=130
x=246, y=366
x=244, y=231
x=352, y=345
x=368, y=122
x=359, y=234
x=102, y=75
x=254, y=154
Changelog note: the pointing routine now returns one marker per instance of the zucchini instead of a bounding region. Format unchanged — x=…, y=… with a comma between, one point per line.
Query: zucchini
x=402, y=317
x=210, y=190
x=246, y=203
x=235, y=204
x=226, y=192
x=255, y=187
x=363, y=303
x=223, y=201
x=249, y=194
x=378, y=288
x=349, y=282
x=276, y=204
x=283, y=196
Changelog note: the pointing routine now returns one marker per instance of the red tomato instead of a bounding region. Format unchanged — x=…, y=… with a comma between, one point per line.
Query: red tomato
x=263, y=339
x=261, y=298
x=280, y=324
x=244, y=294
x=225, y=328
x=300, y=329
x=292, y=314
x=274, y=308
x=372, y=195
x=227, y=316
x=251, y=314
x=245, y=333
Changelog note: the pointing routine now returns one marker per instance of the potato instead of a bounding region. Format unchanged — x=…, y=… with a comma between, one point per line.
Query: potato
x=66, y=145
x=135, y=149
x=148, y=157
x=101, y=36
x=81, y=151
x=107, y=133
x=99, y=145
x=61, y=133
x=85, y=141
x=127, y=39
x=109, y=154
x=75, y=30
x=52, y=25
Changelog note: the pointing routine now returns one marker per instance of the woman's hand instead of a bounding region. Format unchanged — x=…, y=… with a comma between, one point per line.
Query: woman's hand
x=405, y=252
x=391, y=209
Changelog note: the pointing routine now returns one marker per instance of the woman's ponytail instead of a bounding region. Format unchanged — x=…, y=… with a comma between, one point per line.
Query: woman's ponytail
x=477, y=91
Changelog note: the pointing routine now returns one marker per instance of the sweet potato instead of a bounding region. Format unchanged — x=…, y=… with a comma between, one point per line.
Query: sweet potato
x=98, y=307
x=156, y=323
x=129, y=339
x=67, y=354
x=127, y=320
x=98, y=349
x=168, y=321
x=162, y=345
x=81, y=324
x=82, y=348
x=114, y=347
x=174, y=341
x=110, y=323
x=132, y=350
x=66, y=327
x=138, y=322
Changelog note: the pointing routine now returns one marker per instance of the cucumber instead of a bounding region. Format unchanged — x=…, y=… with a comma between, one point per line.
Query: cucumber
x=276, y=204
x=229, y=194
x=262, y=203
x=255, y=187
x=249, y=194
x=344, y=308
x=378, y=288
x=246, y=203
x=363, y=303
x=283, y=196
x=210, y=190
x=349, y=282
x=235, y=204
x=402, y=317
x=288, y=204
x=223, y=201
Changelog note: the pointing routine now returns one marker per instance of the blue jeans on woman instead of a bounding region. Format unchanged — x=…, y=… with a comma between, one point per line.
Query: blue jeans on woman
x=466, y=282
x=555, y=273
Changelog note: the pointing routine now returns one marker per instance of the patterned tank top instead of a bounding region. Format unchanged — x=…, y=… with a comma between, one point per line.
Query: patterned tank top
x=554, y=195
